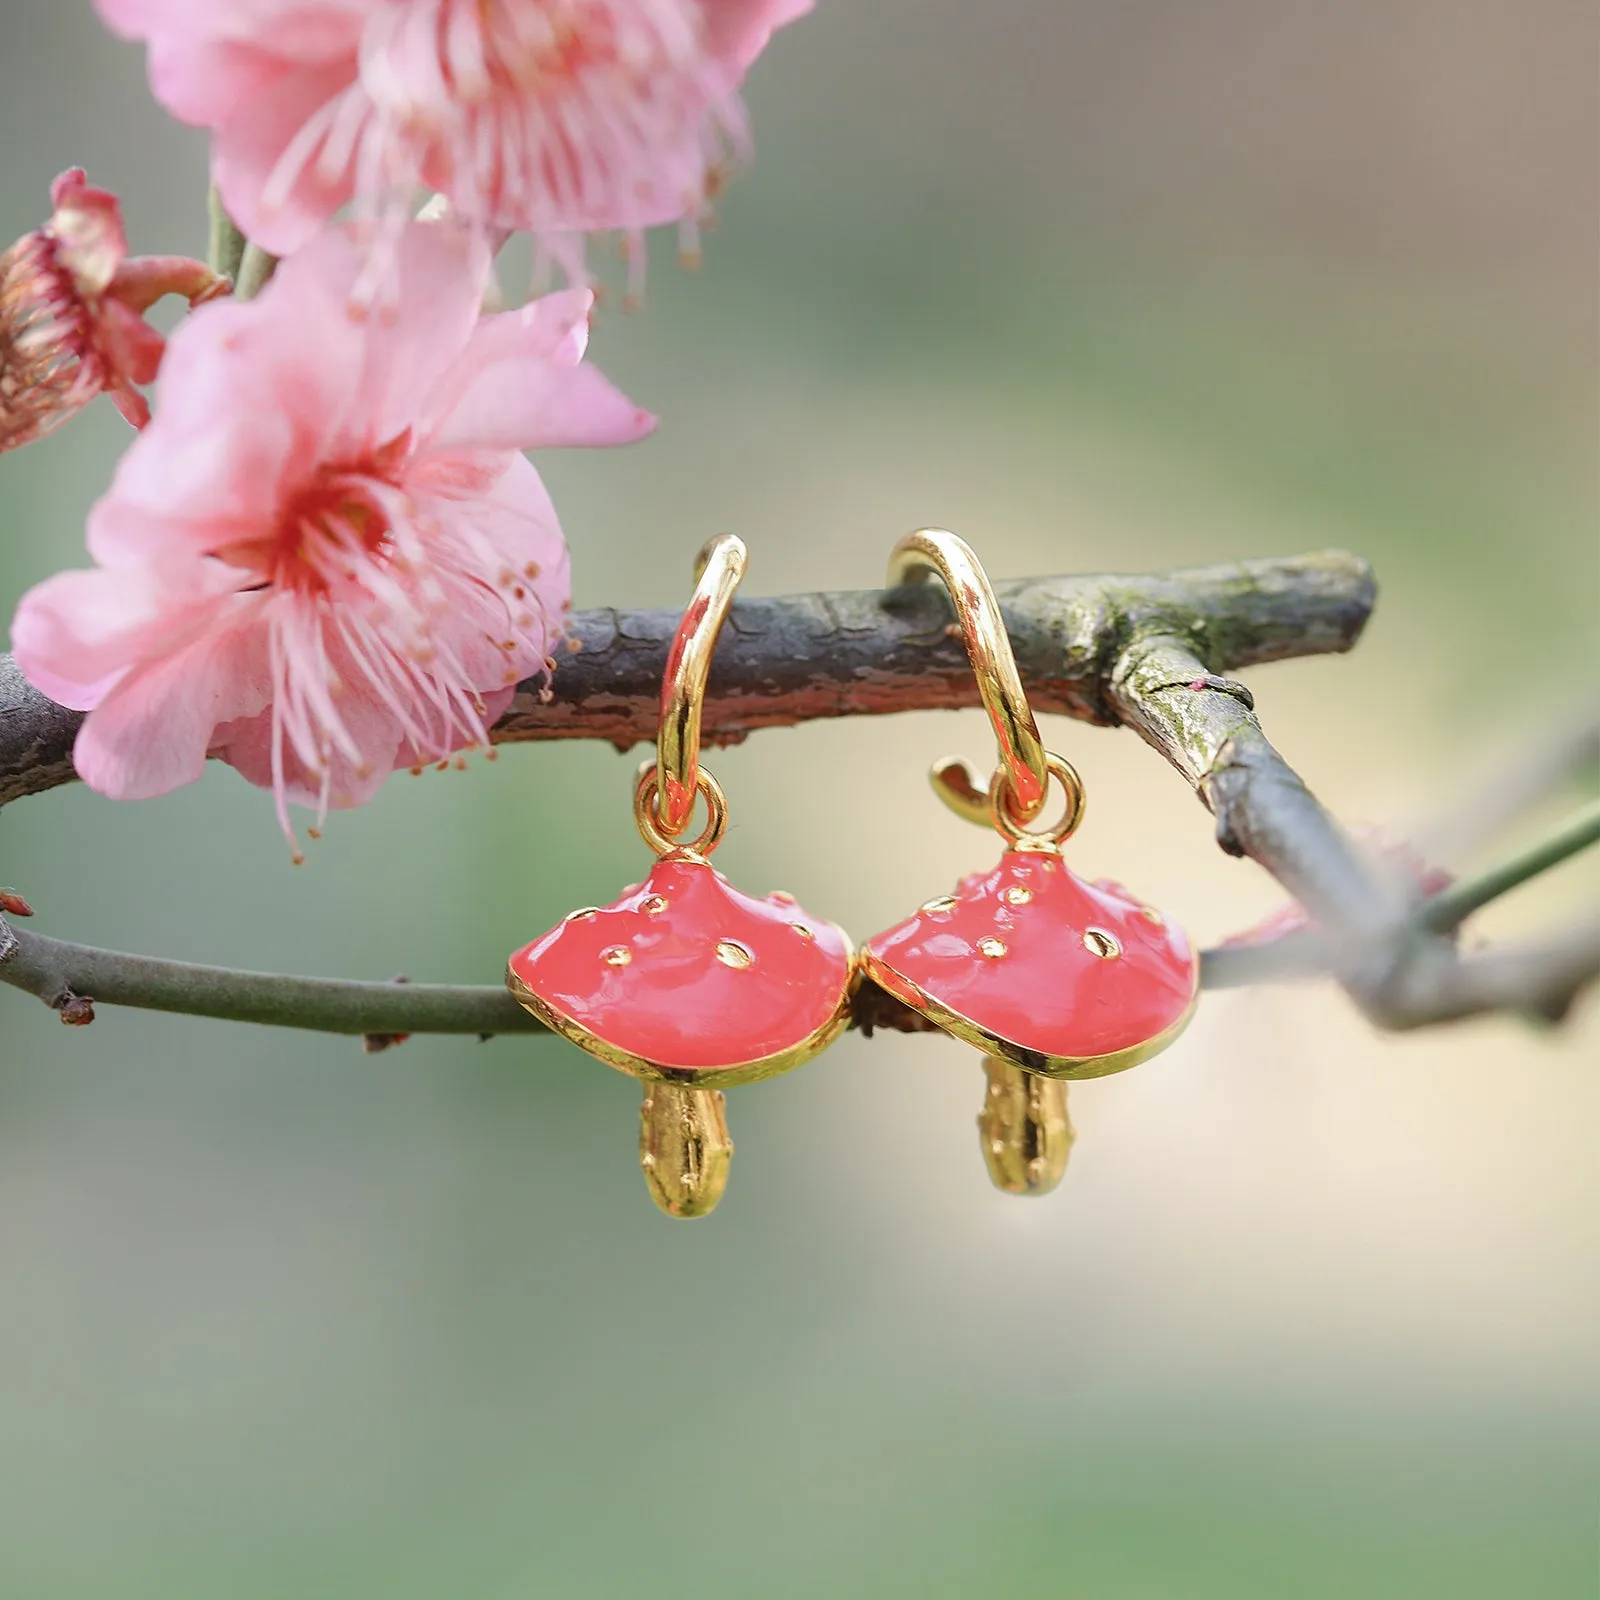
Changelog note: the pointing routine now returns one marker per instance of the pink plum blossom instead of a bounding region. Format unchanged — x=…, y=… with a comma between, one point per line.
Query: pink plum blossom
x=556, y=116
x=72, y=306
x=325, y=557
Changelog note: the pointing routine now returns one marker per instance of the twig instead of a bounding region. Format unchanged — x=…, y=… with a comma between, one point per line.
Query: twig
x=1541, y=979
x=1307, y=951
x=225, y=246
x=59, y=973
x=1453, y=905
x=52, y=968
x=255, y=272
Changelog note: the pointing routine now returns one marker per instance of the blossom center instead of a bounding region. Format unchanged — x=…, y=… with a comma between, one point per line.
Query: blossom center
x=337, y=532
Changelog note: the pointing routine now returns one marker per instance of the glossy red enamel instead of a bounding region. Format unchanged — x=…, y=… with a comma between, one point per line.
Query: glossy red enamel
x=1014, y=951
x=685, y=971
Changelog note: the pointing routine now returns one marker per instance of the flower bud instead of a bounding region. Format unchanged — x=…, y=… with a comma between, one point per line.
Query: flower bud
x=72, y=306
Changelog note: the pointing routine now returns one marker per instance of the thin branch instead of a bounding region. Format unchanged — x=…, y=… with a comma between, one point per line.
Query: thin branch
x=1307, y=951
x=68, y=977
x=857, y=653
x=225, y=249
x=1538, y=978
x=1452, y=906
x=59, y=973
x=256, y=268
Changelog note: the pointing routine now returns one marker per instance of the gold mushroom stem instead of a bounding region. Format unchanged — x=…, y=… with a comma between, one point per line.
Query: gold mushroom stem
x=1024, y=1128
x=684, y=1148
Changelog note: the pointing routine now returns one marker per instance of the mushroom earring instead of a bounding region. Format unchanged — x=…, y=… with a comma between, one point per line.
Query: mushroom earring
x=1051, y=977
x=685, y=982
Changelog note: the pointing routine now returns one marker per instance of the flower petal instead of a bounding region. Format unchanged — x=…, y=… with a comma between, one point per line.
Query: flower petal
x=151, y=733
x=252, y=396
x=519, y=385
x=737, y=31
x=280, y=211
x=77, y=634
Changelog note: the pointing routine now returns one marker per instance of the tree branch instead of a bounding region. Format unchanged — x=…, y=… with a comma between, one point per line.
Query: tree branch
x=1143, y=651
x=858, y=653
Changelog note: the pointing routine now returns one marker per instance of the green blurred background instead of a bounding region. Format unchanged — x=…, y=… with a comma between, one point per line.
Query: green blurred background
x=1101, y=286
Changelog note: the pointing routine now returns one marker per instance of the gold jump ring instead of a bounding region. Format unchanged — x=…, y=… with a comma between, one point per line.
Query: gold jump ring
x=648, y=819
x=1012, y=831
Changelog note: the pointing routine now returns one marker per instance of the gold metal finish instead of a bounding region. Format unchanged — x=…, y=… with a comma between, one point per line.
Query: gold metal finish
x=1103, y=943
x=935, y=551
x=1024, y=1129
x=1070, y=1068
x=684, y=1148
x=695, y=1077
x=1012, y=832
x=962, y=788
x=718, y=569
x=649, y=825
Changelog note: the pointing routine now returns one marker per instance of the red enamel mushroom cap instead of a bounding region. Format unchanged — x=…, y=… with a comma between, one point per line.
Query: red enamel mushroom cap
x=1029, y=962
x=685, y=979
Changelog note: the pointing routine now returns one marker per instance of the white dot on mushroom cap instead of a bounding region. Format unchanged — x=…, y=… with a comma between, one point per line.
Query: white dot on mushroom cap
x=1150, y=914
x=583, y=913
x=617, y=955
x=945, y=902
x=1100, y=943
x=653, y=905
x=992, y=948
x=733, y=954
x=802, y=930
x=1016, y=895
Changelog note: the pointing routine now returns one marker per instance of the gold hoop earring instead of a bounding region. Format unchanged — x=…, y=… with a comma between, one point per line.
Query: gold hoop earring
x=685, y=982
x=1051, y=977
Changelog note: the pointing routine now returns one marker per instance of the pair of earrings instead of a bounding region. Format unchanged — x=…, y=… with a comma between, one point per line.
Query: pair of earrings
x=694, y=987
